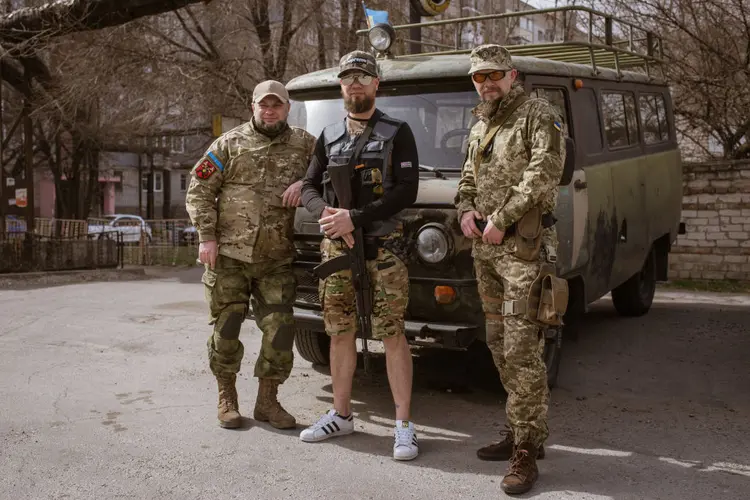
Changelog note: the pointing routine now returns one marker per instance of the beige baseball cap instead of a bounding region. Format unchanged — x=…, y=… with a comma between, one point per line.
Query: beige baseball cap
x=270, y=87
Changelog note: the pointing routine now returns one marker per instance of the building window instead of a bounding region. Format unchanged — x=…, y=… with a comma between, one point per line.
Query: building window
x=178, y=144
x=158, y=182
x=183, y=182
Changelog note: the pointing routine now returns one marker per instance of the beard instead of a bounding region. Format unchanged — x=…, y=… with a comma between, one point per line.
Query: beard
x=489, y=108
x=270, y=130
x=355, y=105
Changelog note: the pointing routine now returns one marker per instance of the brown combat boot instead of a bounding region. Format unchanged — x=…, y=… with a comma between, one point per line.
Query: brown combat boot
x=229, y=412
x=268, y=409
x=502, y=450
x=523, y=472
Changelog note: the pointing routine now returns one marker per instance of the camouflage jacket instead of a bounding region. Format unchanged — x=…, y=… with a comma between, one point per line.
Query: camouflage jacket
x=236, y=188
x=521, y=170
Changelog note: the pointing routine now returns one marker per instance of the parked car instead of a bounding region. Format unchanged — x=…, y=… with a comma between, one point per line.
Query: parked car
x=189, y=236
x=130, y=226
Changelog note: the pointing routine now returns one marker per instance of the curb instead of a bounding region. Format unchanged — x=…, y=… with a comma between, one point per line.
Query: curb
x=48, y=278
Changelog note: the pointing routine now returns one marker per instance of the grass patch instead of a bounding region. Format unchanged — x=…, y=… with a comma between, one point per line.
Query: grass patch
x=721, y=286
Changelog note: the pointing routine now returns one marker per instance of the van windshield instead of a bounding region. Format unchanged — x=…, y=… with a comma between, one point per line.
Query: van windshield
x=440, y=121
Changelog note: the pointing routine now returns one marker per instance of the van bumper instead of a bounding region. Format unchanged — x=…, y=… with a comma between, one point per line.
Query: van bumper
x=445, y=335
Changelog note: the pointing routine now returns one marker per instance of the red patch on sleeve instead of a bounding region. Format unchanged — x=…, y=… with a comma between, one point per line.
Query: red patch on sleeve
x=205, y=170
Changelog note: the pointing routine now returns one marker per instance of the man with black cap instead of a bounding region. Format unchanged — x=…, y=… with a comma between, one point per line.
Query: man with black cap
x=385, y=176
x=241, y=199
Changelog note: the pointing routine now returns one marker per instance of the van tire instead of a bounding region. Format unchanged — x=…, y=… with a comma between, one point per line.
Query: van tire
x=313, y=346
x=552, y=354
x=635, y=296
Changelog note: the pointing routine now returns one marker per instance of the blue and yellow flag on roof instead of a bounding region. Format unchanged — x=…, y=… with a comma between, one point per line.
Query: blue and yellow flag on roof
x=375, y=16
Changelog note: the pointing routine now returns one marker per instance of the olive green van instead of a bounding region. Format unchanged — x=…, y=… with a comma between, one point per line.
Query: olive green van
x=619, y=203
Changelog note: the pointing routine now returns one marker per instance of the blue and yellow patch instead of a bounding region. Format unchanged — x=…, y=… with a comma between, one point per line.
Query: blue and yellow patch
x=557, y=125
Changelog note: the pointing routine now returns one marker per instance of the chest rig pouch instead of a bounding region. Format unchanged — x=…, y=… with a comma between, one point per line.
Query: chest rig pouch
x=370, y=172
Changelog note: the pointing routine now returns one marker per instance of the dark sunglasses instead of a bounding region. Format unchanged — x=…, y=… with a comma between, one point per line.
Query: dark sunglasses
x=494, y=76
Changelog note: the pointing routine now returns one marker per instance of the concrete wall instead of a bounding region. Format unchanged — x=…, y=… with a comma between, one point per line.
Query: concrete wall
x=716, y=211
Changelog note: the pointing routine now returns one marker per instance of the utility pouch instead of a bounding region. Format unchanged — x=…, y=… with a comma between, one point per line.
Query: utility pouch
x=548, y=298
x=529, y=235
x=329, y=195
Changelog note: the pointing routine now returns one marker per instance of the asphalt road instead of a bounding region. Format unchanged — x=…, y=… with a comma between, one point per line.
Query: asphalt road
x=105, y=393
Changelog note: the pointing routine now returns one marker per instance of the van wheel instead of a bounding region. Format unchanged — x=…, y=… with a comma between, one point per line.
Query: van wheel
x=313, y=346
x=635, y=296
x=552, y=354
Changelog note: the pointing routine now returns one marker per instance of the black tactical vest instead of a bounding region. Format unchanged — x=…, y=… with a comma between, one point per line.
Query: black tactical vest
x=373, y=175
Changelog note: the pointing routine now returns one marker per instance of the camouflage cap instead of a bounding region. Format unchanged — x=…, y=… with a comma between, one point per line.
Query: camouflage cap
x=490, y=56
x=360, y=61
x=270, y=87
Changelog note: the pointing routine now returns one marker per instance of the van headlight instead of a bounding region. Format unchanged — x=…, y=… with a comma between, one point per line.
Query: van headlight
x=381, y=36
x=433, y=245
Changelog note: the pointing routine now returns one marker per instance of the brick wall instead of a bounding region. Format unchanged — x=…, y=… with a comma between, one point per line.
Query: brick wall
x=716, y=212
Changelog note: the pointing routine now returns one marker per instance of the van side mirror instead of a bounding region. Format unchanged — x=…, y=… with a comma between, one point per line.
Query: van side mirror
x=570, y=162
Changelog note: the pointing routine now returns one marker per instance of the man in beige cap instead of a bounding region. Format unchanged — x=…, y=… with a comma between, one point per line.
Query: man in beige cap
x=505, y=200
x=241, y=199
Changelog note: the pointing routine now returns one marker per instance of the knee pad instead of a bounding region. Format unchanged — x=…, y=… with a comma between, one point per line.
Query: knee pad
x=284, y=338
x=230, y=321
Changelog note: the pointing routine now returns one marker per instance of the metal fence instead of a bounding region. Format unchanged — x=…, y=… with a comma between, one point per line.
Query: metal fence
x=30, y=252
x=137, y=241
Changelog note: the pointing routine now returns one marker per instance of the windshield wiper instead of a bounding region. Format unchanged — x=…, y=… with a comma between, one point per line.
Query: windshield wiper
x=434, y=170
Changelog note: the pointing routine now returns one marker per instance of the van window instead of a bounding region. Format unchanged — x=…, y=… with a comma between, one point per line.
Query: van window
x=620, y=119
x=556, y=97
x=586, y=110
x=440, y=121
x=653, y=118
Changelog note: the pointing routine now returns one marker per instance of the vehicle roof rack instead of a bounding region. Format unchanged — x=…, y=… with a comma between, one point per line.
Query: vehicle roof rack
x=618, y=45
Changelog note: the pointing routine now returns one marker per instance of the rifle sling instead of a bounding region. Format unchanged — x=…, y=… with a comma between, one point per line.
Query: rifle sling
x=489, y=136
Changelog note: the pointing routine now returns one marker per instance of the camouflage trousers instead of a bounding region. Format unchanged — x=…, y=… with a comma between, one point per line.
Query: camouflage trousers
x=517, y=345
x=390, y=296
x=230, y=287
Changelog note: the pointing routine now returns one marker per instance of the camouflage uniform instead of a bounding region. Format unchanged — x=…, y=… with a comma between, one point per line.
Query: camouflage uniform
x=235, y=198
x=520, y=172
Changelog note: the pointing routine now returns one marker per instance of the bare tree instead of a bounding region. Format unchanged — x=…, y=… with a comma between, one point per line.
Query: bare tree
x=707, y=49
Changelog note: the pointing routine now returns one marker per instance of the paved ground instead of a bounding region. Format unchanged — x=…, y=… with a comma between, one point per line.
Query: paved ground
x=104, y=393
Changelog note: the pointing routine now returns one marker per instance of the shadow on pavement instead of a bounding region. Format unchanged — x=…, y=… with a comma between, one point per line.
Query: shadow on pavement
x=642, y=404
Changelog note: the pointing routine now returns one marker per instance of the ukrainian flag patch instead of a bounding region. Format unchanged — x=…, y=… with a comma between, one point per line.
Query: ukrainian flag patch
x=557, y=125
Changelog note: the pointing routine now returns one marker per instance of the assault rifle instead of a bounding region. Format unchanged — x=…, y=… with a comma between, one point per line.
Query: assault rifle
x=354, y=260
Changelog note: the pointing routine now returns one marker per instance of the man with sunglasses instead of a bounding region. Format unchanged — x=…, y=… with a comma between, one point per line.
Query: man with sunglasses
x=508, y=188
x=380, y=156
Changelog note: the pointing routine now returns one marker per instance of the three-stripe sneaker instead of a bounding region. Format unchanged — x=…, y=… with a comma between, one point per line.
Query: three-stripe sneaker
x=405, y=446
x=329, y=425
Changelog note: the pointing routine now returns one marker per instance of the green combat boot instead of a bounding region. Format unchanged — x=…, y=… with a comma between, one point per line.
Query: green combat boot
x=268, y=409
x=503, y=450
x=229, y=412
x=523, y=472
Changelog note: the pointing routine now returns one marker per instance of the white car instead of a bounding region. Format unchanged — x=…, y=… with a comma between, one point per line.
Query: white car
x=130, y=226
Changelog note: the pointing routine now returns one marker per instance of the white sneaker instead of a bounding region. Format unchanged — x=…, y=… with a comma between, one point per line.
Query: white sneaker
x=405, y=446
x=328, y=426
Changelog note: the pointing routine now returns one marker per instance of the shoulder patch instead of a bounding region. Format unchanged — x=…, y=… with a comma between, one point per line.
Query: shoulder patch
x=205, y=170
x=557, y=125
x=405, y=164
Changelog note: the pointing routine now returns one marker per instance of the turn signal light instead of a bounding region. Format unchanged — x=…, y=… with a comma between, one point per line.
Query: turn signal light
x=444, y=294
x=578, y=84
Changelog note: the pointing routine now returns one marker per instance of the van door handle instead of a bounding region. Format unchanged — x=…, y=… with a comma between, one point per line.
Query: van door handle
x=579, y=184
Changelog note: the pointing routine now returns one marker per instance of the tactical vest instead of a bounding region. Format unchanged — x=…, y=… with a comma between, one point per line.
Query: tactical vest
x=373, y=175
